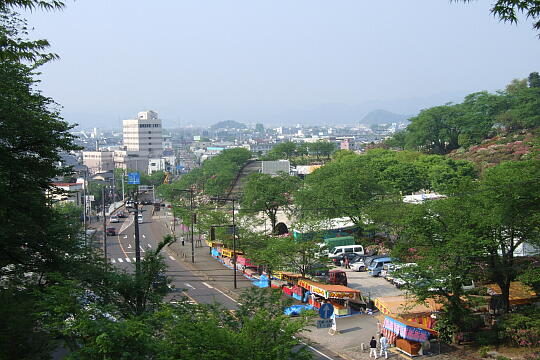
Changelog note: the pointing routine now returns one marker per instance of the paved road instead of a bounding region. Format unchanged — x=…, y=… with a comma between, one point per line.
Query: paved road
x=121, y=253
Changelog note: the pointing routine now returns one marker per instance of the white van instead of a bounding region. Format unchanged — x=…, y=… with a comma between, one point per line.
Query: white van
x=346, y=249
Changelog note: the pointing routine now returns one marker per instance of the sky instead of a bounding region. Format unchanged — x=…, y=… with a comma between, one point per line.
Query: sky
x=274, y=62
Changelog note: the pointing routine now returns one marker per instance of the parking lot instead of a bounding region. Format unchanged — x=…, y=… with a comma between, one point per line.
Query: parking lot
x=370, y=286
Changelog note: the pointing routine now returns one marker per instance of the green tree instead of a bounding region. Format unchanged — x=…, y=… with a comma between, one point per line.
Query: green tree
x=508, y=10
x=534, y=79
x=268, y=194
x=284, y=150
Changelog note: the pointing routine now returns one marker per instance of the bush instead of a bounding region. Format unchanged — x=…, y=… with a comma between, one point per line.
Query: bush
x=483, y=351
x=487, y=337
x=522, y=328
x=501, y=357
x=532, y=356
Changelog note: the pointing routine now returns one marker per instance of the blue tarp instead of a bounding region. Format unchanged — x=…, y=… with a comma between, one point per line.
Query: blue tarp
x=262, y=282
x=296, y=309
x=215, y=253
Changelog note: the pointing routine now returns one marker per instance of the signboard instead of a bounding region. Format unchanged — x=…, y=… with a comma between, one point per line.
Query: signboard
x=324, y=323
x=90, y=198
x=326, y=310
x=134, y=178
x=145, y=188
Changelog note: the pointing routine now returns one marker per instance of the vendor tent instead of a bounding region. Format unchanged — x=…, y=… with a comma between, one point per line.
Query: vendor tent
x=330, y=291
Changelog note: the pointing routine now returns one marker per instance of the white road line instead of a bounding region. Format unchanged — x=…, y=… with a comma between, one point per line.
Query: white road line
x=149, y=245
x=144, y=237
x=141, y=248
x=128, y=260
x=135, y=259
x=133, y=235
x=129, y=246
x=209, y=286
x=113, y=261
x=222, y=293
x=125, y=236
x=120, y=260
x=317, y=351
x=189, y=285
x=170, y=257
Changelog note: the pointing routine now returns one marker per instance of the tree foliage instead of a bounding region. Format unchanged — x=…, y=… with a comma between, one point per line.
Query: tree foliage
x=268, y=194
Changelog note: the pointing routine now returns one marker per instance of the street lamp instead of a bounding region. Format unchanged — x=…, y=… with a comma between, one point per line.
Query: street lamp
x=233, y=200
x=190, y=191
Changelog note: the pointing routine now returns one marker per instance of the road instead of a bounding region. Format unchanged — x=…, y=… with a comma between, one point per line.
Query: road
x=121, y=253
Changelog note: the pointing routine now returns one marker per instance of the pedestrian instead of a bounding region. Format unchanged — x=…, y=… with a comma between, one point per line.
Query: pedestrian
x=384, y=346
x=373, y=347
x=346, y=263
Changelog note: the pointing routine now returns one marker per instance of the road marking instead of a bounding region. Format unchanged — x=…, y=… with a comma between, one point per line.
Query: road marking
x=129, y=246
x=113, y=261
x=120, y=260
x=190, y=299
x=125, y=236
x=209, y=286
x=134, y=235
x=170, y=257
x=189, y=285
x=227, y=296
x=144, y=237
x=135, y=259
x=128, y=260
x=312, y=348
x=149, y=245
x=141, y=248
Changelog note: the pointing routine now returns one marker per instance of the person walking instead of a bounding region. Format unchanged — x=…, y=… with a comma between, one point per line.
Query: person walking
x=346, y=263
x=384, y=346
x=373, y=347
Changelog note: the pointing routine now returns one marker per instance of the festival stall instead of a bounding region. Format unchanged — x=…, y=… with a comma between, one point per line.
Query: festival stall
x=291, y=287
x=520, y=294
x=409, y=309
x=406, y=335
x=338, y=295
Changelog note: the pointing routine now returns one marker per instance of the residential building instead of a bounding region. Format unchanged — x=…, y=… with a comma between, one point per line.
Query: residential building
x=98, y=161
x=67, y=192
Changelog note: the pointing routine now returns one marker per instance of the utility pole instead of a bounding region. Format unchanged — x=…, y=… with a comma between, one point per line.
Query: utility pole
x=84, y=202
x=192, y=223
x=104, y=224
x=123, y=193
x=234, y=242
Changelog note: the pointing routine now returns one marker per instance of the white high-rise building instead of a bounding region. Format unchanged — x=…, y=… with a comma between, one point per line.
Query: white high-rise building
x=144, y=135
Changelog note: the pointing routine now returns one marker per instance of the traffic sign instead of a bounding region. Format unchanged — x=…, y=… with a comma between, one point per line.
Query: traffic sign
x=324, y=323
x=134, y=178
x=326, y=310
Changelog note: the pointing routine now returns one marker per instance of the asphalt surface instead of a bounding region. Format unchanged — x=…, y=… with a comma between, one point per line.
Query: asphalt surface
x=121, y=253
x=199, y=289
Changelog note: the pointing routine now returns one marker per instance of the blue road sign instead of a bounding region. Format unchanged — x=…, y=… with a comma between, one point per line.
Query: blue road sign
x=326, y=311
x=134, y=178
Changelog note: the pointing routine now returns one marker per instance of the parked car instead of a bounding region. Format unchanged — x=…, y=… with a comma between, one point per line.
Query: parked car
x=362, y=264
x=346, y=249
x=111, y=231
x=140, y=219
x=146, y=202
x=375, y=268
x=114, y=219
x=121, y=214
x=338, y=260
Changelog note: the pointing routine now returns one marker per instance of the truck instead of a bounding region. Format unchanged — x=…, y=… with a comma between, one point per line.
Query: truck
x=331, y=243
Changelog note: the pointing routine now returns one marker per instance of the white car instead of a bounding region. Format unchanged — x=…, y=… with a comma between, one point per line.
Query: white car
x=358, y=266
x=140, y=219
x=114, y=219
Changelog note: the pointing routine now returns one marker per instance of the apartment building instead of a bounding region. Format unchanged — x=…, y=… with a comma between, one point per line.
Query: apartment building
x=98, y=161
x=143, y=135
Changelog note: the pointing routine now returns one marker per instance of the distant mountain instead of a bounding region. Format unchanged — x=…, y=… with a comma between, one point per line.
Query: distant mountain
x=383, y=117
x=228, y=124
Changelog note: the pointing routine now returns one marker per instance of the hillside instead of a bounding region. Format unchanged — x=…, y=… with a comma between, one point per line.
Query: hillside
x=383, y=117
x=228, y=124
x=515, y=146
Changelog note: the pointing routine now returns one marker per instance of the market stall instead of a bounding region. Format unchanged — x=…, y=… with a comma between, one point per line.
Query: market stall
x=338, y=295
x=520, y=294
x=408, y=336
x=409, y=309
x=291, y=287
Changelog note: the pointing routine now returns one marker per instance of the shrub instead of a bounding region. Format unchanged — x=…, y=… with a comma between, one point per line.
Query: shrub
x=488, y=337
x=532, y=356
x=483, y=351
x=501, y=357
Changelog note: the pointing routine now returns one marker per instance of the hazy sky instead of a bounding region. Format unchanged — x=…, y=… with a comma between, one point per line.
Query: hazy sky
x=309, y=61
